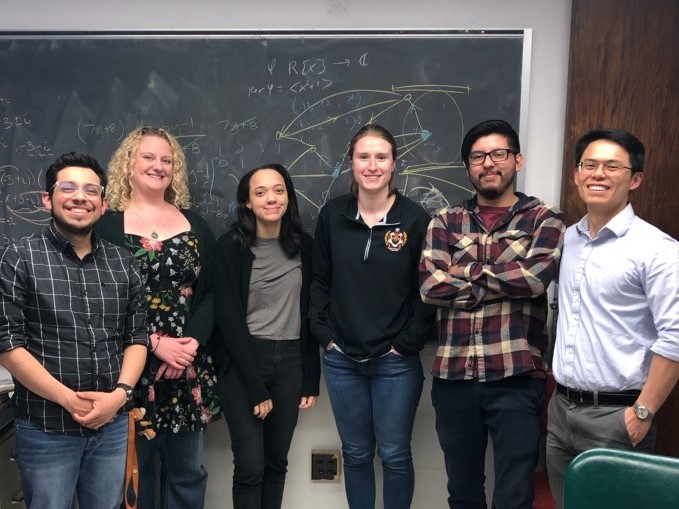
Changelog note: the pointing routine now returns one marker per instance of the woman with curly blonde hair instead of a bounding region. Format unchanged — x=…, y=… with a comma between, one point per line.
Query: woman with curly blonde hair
x=148, y=192
x=120, y=185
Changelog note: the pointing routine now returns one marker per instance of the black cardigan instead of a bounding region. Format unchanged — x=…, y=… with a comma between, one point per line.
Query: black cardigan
x=233, y=342
x=201, y=319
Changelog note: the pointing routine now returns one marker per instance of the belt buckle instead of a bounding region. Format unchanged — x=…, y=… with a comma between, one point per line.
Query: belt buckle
x=570, y=393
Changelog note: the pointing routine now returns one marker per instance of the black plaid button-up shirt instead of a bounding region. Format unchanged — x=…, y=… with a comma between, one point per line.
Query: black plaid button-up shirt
x=74, y=316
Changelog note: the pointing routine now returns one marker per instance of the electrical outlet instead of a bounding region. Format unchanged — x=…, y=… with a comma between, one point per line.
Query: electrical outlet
x=325, y=465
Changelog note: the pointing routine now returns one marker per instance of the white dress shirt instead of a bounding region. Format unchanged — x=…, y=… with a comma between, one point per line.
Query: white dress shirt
x=618, y=304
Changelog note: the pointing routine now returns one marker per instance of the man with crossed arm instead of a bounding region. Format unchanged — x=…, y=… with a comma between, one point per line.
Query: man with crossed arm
x=487, y=264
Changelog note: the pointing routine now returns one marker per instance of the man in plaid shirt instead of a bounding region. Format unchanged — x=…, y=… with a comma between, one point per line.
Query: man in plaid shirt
x=487, y=264
x=73, y=336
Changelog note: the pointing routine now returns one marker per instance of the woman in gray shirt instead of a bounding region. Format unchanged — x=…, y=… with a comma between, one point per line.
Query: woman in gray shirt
x=268, y=364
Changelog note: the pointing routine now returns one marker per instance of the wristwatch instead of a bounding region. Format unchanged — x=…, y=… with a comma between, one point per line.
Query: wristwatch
x=642, y=412
x=126, y=388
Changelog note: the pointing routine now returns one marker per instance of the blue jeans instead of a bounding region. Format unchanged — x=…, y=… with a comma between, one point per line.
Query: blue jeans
x=56, y=467
x=374, y=404
x=183, y=478
x=511, y=411
x=260, y=447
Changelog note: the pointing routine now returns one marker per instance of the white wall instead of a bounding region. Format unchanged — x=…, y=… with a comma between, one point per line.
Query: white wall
x=542, y=146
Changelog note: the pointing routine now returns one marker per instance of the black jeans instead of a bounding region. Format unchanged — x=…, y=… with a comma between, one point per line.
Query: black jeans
x=511, y=411
x=260, y=447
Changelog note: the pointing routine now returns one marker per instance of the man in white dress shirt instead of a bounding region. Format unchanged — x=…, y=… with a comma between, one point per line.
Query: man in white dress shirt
x=616, y=357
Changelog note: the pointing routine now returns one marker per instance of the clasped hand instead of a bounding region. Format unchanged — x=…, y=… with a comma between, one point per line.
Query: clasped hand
x=94, y=409
x=176, y=353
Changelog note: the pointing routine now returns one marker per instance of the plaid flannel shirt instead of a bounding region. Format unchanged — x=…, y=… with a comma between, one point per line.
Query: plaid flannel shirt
x=491, y=287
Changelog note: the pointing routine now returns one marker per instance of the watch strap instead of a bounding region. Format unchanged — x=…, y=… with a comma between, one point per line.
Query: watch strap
x=126, y=388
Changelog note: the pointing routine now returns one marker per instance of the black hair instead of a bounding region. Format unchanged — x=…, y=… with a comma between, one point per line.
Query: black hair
x=631, y=144
x=244, y=228
x=486, y=128
x=73, y=159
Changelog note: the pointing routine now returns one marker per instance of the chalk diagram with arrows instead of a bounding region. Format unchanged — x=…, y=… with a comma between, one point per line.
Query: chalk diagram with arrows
x=425, y=120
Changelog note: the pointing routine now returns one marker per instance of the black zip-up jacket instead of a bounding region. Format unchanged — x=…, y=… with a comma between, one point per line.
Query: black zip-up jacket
x=365, y=290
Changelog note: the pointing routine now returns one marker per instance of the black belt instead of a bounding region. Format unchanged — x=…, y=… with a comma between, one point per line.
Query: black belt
x=622, y=398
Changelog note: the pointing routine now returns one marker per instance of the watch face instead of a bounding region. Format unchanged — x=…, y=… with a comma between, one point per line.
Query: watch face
x=641, y=411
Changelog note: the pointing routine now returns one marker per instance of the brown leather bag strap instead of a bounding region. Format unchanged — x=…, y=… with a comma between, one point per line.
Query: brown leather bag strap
x=132, y=469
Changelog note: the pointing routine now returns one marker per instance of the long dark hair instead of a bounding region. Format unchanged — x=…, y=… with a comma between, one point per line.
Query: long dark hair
x=244, y=228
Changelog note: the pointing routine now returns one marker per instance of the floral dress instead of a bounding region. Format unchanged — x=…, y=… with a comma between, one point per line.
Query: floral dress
x=170, y=268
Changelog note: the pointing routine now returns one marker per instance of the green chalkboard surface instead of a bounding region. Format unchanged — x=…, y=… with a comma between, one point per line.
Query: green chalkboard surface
x=239, y=100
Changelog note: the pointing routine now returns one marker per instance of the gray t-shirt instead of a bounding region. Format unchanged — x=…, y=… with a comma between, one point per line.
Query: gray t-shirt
x=274, y=298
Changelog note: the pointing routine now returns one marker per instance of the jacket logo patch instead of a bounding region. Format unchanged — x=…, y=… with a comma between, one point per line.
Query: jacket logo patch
x=395, y=239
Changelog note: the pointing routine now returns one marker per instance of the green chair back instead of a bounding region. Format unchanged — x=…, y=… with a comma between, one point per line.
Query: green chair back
x=615, y=479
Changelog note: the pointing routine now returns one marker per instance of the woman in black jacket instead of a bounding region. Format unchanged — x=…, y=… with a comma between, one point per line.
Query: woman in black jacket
x=269, y=366
x=367, y=313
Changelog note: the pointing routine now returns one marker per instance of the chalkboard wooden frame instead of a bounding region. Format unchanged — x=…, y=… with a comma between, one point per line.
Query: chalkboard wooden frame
x=240, y=99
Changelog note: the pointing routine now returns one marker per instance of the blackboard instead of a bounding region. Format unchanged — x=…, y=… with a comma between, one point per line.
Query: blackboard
x=238, y=100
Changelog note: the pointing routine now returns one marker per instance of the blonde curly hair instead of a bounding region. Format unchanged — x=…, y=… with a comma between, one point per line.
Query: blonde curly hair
x=119, y=188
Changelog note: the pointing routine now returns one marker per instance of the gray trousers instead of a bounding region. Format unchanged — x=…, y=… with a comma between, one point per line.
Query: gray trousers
x=573, y=428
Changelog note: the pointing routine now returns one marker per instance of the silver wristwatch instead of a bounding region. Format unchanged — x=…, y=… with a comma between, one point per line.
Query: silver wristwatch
x=642, y=412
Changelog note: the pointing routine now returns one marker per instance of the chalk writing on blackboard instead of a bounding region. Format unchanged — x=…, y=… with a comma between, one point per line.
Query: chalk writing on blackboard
x=235, y=103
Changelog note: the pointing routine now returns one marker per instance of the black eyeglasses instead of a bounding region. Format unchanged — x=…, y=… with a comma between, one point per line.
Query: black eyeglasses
x=89, y=189
x=497, y=156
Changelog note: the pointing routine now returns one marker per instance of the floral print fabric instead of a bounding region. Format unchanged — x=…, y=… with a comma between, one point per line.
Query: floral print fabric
x=171, y=268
